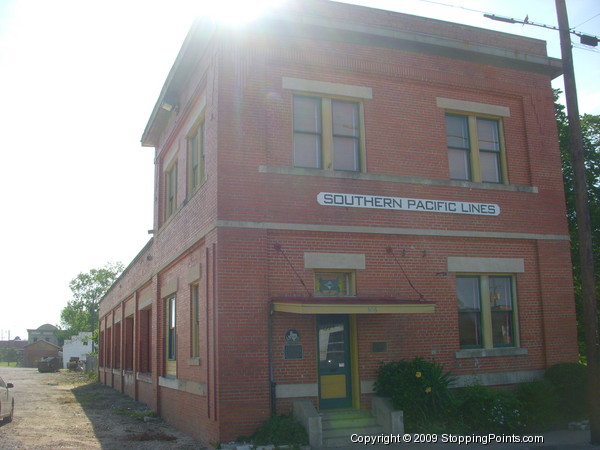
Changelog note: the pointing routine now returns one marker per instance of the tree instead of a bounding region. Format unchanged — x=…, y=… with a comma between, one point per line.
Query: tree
x=81, y=312
x=590, y=126
x=9, y=354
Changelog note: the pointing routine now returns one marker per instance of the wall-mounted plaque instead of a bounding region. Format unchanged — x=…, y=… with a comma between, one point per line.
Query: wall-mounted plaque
x=292, y=351
x=379, y=347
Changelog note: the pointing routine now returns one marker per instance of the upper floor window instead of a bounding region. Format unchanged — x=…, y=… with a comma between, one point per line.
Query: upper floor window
x=196, y=170
x=486, y=311
x=327, y=133
x=475, y=149
x=171, y=190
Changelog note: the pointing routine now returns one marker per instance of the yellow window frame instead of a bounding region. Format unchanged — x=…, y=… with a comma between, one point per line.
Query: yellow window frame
x=474, y=150
x=486, y=309
x=350, y=282
x=196, y=146
x=327, y=129
x=170, y=189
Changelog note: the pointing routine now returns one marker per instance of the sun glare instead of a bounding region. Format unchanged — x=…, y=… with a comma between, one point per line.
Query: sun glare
x=235, y=12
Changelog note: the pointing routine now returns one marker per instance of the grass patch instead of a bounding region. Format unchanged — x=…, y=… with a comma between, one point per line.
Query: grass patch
x=67, y=400
x=135, y=413
x=8, y=364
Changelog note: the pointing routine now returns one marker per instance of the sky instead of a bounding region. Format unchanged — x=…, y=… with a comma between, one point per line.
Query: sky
x=78, y=82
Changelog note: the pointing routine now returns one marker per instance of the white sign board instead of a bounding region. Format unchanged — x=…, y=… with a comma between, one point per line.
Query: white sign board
x=407, y=204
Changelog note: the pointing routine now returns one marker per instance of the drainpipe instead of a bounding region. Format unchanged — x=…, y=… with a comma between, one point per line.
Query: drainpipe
x=272, y=383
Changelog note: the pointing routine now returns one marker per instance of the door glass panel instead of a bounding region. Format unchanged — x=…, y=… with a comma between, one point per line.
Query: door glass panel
x=331, y=347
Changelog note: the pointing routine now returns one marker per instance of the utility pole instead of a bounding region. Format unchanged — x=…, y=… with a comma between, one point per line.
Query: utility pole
x=583, y=224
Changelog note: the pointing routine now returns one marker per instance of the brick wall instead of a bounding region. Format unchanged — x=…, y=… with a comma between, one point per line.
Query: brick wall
x=254, y=208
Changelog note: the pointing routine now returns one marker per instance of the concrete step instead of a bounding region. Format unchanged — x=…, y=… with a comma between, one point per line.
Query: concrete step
x=339, y=426
x=346, y=419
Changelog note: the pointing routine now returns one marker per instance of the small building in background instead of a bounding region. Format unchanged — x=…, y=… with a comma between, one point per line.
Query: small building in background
x=35, y=351
x=77, y=347
x=46, y=332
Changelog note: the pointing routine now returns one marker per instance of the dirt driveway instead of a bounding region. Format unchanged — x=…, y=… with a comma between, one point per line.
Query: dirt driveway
x=64, y=410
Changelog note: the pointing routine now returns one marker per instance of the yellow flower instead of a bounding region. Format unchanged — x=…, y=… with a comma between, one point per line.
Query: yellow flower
x=428, y=390
x=418, y=374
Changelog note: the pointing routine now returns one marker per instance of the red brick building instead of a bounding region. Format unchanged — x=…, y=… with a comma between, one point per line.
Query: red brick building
x=338, y=186
x=35, y=351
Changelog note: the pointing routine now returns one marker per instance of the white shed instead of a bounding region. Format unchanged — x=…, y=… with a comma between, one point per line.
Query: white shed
x=79, y=345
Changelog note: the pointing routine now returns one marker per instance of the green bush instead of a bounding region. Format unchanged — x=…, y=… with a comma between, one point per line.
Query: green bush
x=569, y=381
x=483, y=409
x=419, y=388
x=540, y=405
x=280, y=430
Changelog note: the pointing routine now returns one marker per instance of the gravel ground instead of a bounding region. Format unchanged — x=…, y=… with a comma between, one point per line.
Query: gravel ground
x=65, y=410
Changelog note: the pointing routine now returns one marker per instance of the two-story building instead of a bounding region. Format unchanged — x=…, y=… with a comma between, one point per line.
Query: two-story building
x=338, y=186
x=46, y=332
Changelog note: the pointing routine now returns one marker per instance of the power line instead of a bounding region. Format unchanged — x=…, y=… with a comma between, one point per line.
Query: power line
x=585, y=39
x=452, y=6
x=593, y=17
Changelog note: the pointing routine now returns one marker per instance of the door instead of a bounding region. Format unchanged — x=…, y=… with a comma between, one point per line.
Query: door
x=333, y=337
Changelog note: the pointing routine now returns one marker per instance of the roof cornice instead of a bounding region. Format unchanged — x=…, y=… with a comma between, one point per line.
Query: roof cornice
x=311, y=25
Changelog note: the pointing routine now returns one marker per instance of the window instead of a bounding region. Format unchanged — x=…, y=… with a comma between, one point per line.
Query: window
x=102, y=342
x=196, y=174
x=117, y=345
x=171, y=190
x=334, y=283
x=486, y=316
x=327, y=134
x=108, y=348
x=128, y=344
x=475, y=149
x=195, y=297
x=171, y=334
x=145, y=337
